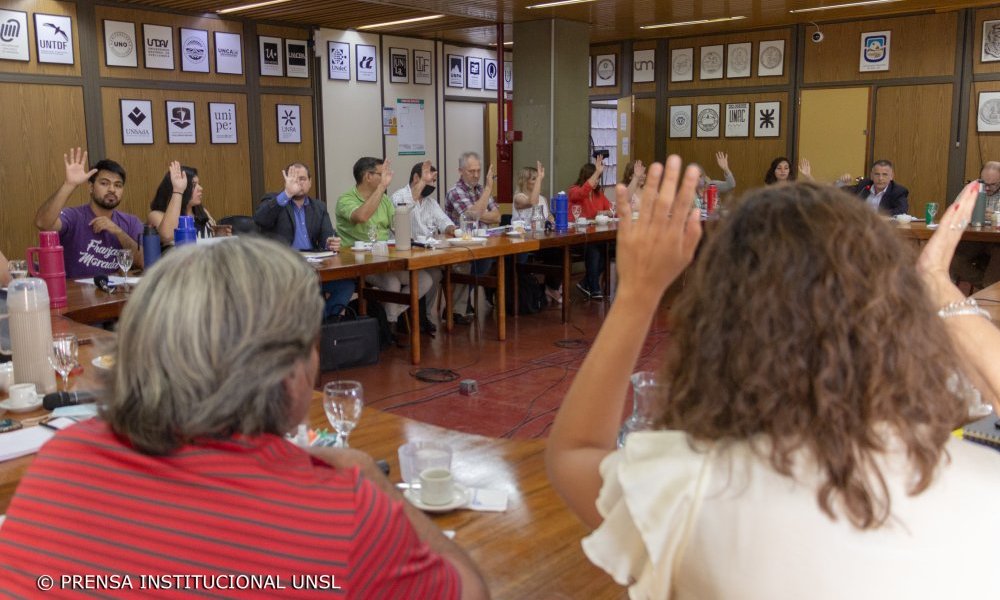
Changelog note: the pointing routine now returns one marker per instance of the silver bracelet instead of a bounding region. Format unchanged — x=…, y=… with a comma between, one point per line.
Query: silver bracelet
x=966, y=307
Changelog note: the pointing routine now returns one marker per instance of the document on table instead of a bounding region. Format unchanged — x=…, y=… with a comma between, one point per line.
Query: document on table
x=23, y=442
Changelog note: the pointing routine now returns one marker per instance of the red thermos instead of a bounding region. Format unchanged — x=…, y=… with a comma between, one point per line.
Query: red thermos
x=48, y=257
x=711, y=198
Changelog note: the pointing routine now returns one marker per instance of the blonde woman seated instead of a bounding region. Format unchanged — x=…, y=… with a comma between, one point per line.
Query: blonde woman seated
x=179, y=193
x=805, y=447
x=527, y=198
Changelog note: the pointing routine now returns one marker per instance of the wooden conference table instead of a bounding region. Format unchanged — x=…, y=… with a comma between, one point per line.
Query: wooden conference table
x=920, y=233
x=532, y=550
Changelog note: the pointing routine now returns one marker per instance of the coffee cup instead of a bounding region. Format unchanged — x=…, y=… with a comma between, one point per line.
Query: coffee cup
x=22, y=394
x=436, y=486
x=6, y=375
x=359, y=245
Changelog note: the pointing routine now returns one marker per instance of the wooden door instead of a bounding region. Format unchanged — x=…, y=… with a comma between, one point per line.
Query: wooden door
x=833, y=131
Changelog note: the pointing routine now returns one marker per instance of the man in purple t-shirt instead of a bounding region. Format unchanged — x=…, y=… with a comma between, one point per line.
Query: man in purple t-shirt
x=91, y=234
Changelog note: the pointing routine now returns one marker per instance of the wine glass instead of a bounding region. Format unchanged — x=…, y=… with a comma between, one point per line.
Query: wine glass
x=18, y=269
x=343, y=401
x=124, y=257
x=372, y=232
x=577, y=209
x=64, y=354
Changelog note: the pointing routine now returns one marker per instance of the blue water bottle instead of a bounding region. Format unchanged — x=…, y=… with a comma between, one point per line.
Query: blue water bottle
x=185, y=232
x=560, y=208
x=150, y=246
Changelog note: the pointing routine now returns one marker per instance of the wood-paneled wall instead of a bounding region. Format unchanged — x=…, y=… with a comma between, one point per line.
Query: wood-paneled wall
x=278, y=156
x=38, y=123
x=984, y=146
x=223, y=169
x=749, y=157
x=48, y=7
x=920, y=46
x=754, y=37
x=920, y=153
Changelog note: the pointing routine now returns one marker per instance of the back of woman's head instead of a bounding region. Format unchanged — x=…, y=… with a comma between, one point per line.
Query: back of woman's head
x=806, y=323
x=205, y=343
x=586, y=171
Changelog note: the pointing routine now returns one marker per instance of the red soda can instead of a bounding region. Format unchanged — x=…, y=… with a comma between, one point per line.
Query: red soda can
x=711, y=198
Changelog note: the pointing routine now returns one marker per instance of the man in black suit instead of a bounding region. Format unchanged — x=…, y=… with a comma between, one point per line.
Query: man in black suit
x=881, y=192
x=294, y=218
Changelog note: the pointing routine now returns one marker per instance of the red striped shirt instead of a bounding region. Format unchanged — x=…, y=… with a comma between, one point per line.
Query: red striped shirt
x=254, y=517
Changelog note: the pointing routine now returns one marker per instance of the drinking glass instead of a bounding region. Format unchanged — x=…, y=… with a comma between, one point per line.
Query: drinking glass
x=932, y=208
x=18, y=269
x=63, y=358
x=124, y=257
x=648, y=393
x=577, y=209
x=343, y=401
x=372, y=232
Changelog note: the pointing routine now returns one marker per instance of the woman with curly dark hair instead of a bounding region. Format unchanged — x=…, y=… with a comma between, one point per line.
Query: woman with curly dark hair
x=805, y=448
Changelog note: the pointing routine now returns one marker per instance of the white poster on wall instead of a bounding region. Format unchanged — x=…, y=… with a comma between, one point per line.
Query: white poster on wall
x=988, y=115
x=158, y=46
x=367, y=68
x=180, y=122
x=990, y=51
x=680, y=121
x=339, y=59
x=228, y=53
x=738, y=60
x=270, y=57
x=399, y=65
x=297, y=58
x=738, y=119
x=222, y=122
x=137, y=121
x=875, y=51
x=119, y=44
x=491, y=77
x=54, y=35
x=767, y=119
x=605, y=73
x=422, y=67
x=14, y=35
x=194, y=50
x=474, y=72
x=708, y=121
x=456, y=71
x=771, y=58
x=289, y=124
x=508, y=76
x=711, y=62
x=682, y=64
x=643, y=66
x=410, y=126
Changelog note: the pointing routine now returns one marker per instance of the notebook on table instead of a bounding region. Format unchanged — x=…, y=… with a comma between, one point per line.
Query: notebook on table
x=983, y=431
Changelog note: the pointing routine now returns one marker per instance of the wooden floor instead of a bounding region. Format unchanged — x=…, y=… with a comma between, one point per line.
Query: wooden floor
x=521, y=381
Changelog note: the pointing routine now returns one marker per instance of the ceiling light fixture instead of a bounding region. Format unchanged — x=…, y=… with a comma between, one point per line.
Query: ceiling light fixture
x=698, y=22
x=400, y=22
x=847, y=5
x=226, y=11
x=558, y=3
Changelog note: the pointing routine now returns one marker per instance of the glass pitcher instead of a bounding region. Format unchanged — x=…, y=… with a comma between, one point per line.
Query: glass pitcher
x=648, y=391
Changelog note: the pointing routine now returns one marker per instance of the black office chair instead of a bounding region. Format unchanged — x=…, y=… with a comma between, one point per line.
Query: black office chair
x=242, y=225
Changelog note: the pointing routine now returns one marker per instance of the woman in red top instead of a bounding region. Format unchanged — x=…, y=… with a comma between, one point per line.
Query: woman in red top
x=589, y=196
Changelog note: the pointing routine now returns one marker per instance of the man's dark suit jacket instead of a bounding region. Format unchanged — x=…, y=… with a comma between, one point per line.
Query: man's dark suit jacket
x=278, y=221
x=895, y=200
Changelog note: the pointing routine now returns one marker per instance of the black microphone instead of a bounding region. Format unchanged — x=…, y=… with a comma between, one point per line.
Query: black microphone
x=101, y=281
x=59, y=399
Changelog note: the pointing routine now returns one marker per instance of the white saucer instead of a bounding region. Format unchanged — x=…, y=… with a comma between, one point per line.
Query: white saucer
x=22, y=409
x=473, y=242
x=932, y=226
x=582, y=222
x=100, y=365
x=363, y=248
x=459, y=498
x=513, y=233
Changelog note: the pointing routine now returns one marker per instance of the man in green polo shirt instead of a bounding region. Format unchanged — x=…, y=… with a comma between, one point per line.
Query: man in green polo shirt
x=366, y=206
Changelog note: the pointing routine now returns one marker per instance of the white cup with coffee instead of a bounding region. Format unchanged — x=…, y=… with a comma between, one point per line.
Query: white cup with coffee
x=436, y=486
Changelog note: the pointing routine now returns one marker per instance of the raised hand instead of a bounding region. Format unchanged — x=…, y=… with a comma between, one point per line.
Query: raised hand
x=638, y=170
x=178, y=178
x=386, y=175
x=655, y=248
x=540, y=169
x=935, y=258
x=722, y=159
x=600, y=166
x=805, y=168
x=76, y=167
x=491, y=174
x=293, y=187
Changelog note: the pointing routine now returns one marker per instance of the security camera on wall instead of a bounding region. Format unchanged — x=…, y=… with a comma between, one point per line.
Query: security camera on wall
x=817, y=36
